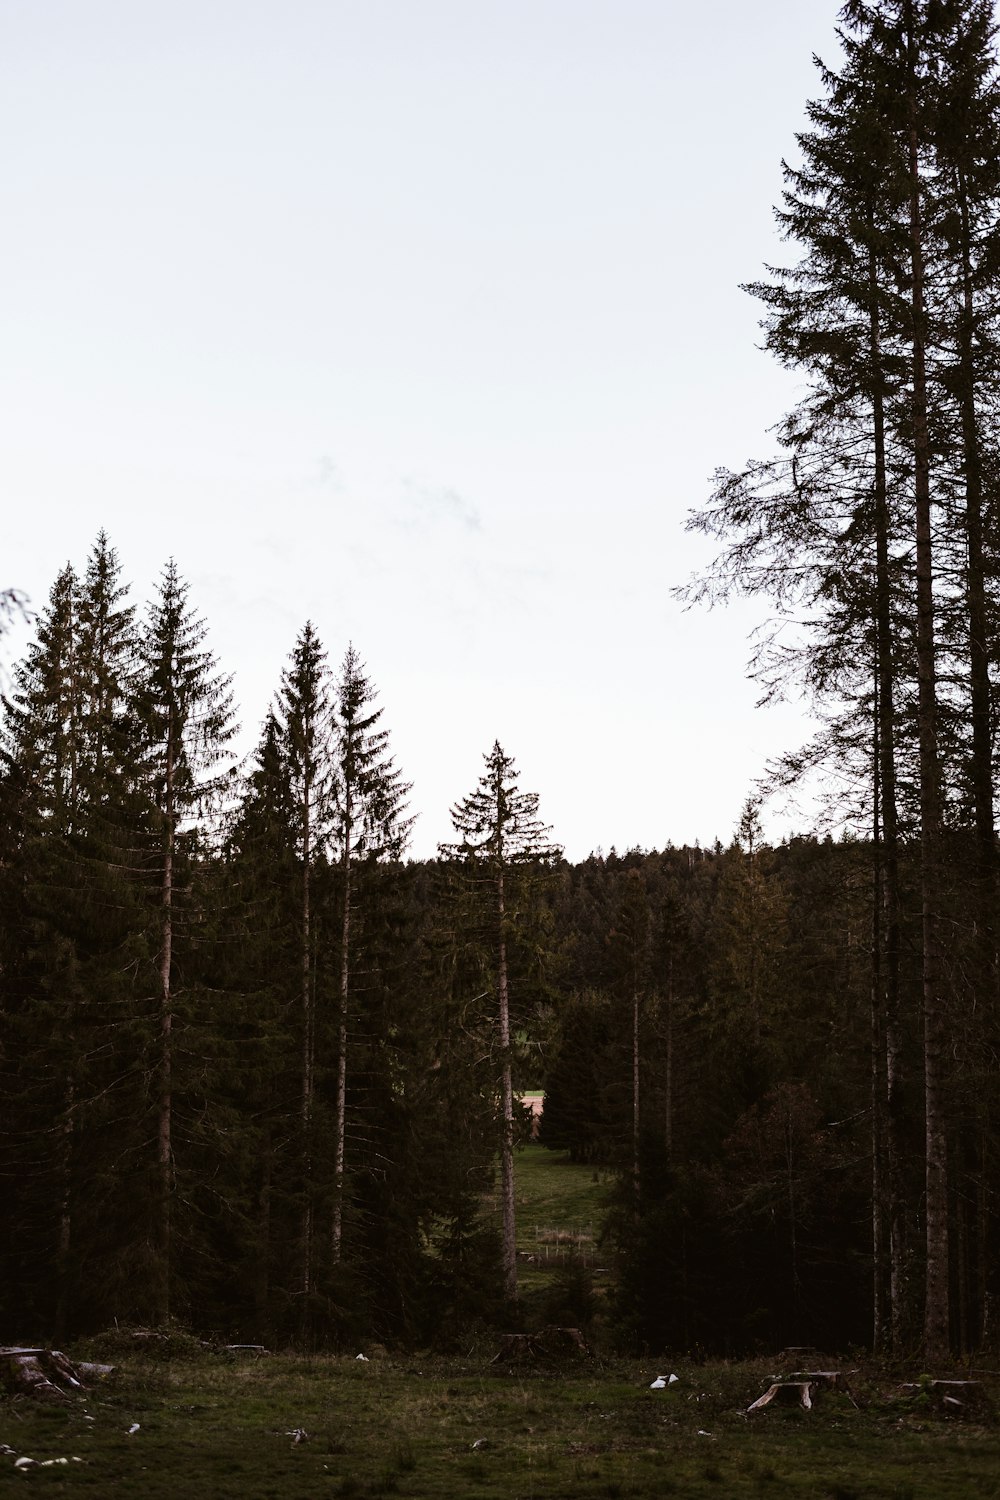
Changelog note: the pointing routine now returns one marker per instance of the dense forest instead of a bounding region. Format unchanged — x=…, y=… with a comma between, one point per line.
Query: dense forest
x=259, y=1068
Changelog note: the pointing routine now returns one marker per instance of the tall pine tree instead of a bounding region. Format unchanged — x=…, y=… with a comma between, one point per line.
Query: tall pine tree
x=501, y=832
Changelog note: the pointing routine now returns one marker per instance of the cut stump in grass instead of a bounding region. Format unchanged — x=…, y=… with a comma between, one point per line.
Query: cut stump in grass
x=826, y=1380
x=950, y=1398
x=46, y=1374
x=549, y=1345
x=786, y=1393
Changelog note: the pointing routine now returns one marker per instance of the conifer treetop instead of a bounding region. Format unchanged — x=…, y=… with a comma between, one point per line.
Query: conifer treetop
x=185, y=702
x=498, y=822
x=369, y=793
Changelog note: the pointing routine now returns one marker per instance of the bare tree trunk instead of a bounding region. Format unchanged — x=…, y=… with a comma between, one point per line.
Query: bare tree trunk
x=308, y=1046
x=340, y=1138
x=936, y=1312
x=890, y=1119
x=65, y=1251
x=793, y=1241
x=881, y=1321
x=164, y=1127
x=979, y=655
x=262, y=1268
x=986, y=970
x=508, y=1228
x=636, y=1165
x=668, y=1082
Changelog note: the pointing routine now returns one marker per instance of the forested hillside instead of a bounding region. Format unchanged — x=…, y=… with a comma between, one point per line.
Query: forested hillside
x=259, y=1069
x=253, y=1070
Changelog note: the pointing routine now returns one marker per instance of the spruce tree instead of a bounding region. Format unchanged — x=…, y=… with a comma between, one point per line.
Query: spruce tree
x=304, y=715
x=185, y=707
x=40, y=748
x=368, y=825
x=501, y=832
x=262, y=879
x=74, y=923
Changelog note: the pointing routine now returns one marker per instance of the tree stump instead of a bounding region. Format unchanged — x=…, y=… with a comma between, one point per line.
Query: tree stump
x=949, y=1398
x=549, y=1345
x=786, y=1393
x=563, y=1342
x=827, y=1380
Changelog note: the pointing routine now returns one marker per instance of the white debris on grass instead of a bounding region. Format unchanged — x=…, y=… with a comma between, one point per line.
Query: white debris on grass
x=24, y=1463
x=362, y=1356
x=133, y=1430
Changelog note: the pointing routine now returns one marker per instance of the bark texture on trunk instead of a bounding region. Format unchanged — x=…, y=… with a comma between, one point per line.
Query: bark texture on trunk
x=165, y=1121
x=308, y=1048
x=340, y=1124
x=508, y=1228
x=636, y=1165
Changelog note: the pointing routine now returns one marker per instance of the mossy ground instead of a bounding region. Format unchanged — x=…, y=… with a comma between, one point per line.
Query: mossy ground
x=216, y=1426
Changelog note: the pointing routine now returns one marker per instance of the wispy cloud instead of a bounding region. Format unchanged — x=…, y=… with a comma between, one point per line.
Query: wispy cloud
x=328, y=475
x=426, y=507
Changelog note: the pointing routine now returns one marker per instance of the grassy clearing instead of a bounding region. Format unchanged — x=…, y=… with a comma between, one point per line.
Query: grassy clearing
x=218, y=1428
x=553, y=1192
x=560, y=1206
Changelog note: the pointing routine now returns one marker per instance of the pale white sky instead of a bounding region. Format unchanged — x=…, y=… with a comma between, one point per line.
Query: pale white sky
x=419, y=318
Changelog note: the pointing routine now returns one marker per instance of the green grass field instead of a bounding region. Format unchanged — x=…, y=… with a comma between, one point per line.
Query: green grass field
x=552, y=1191
x=428, y=1428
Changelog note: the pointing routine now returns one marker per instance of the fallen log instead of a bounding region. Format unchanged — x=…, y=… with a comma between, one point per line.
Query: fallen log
x=45, y=1374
